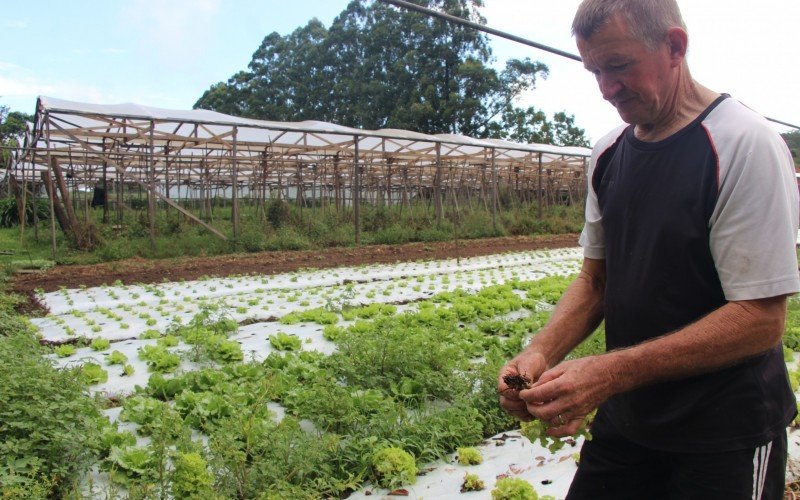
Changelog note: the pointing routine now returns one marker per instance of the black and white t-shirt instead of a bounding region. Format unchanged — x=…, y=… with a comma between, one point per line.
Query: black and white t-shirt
x=706, y=216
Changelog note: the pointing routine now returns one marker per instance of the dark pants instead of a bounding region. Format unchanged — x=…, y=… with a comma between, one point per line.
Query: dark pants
x=612, y=467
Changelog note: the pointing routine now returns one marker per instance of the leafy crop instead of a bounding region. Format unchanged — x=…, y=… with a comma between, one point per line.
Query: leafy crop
x=469, y=456
x=536, y=430
x=116, y=358
x=92, y=373
x=472, y=483
x=191, y=477
x=320, y=316
x=159, y=359
x=285, y=342
x=394, y=467
x=100, y=344
x=512, y=488
x=65, y=350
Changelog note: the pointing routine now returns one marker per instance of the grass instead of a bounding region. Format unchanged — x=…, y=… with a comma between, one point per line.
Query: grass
x=290, y=228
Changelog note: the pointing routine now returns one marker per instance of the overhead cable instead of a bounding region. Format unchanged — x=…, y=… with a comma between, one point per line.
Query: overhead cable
x=508, y=36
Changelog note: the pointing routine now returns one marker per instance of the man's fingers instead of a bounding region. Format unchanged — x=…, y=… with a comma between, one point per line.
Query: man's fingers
x=541, y=393
x=570, y=428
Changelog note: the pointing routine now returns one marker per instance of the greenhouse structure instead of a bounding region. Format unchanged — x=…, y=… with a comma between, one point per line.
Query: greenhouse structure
x=79, y=155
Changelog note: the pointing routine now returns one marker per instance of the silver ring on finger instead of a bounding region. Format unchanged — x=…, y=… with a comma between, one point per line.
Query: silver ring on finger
x=560, y=419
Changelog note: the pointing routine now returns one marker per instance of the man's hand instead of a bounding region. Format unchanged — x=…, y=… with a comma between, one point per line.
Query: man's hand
x=529, y=366
x=565, y=394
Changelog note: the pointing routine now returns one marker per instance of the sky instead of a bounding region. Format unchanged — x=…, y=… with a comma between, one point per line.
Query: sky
x=166, y=53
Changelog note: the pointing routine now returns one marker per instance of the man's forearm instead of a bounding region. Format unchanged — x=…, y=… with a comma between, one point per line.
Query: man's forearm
x=727, y=336
x=576, y=316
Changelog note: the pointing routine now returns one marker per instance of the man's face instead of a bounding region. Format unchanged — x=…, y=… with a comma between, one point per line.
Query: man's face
x=635, y=79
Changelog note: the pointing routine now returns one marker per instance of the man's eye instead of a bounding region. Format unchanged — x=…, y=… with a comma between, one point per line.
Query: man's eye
x=617, y=67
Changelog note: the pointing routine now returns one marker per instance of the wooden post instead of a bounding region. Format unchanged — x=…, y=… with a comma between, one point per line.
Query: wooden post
x=151, y=194
x=15, y=189
x=437, y=179
x=64, y=190
x=494, y=192
x=539, y=191
x=235, y=188
x=56, y=211
x=105, y=185
x=357, y=192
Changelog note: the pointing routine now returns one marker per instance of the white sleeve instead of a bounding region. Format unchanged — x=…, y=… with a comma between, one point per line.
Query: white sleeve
x=753, y=228
x=592, y=237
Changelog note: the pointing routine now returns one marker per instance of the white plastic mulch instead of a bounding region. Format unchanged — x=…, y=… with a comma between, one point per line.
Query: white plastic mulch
x=123, y=313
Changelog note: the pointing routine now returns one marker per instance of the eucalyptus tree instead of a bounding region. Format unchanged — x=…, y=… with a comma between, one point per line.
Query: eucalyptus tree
x=378, y=66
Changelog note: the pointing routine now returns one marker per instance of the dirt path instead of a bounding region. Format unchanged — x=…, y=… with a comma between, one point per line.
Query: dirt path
x=155, y=271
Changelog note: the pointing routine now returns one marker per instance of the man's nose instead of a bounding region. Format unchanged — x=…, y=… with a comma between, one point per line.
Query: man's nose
x=609, y=86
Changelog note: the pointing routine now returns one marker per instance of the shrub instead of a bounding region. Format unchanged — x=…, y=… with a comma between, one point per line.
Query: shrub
x=9, y=214
x=50, y=430
x=278, y=213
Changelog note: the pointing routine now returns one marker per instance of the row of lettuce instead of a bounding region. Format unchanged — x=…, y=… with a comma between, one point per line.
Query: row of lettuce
x=400, y=391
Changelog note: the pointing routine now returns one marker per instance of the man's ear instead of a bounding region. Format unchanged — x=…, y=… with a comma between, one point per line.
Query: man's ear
x=678, y=42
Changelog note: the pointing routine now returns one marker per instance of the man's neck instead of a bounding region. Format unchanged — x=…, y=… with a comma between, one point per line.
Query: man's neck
x=687, y=102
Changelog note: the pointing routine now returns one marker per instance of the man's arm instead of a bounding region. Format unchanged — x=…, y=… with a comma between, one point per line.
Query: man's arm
x=734, y=332
x=577, y=314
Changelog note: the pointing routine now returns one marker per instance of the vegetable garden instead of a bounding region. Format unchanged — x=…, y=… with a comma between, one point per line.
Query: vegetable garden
x=346, y=382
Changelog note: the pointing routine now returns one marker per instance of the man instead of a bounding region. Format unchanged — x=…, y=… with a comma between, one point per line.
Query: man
x=689, y=255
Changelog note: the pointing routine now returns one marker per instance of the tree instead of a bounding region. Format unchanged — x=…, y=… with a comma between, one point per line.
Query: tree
x=12, y=125
x=793, y=141
x=378, y=66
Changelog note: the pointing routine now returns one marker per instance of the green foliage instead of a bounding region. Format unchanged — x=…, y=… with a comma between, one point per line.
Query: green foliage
x=159, y=359
x=536, y=430
x=285, y=342
x=153, y=417
x=65, y=350
x=472, y=483
x=50, y=430
x=93, y=373
x=100, y=344
x=382, y=67
x=469, y=456
x=9, y=211
x=278, y=213
x=319, y=316
x=369, y=311
x=191, y=477
x=116, y=358
x=394, y=467
x=793, y=141
x=512, y=488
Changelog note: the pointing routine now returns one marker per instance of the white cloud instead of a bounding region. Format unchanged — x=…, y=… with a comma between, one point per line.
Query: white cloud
x=172, y=30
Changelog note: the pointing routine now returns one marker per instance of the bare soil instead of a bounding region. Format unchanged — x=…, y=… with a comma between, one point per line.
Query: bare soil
x=189, y=268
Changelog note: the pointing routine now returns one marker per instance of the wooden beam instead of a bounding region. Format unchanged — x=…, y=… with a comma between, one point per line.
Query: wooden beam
x=169, y=202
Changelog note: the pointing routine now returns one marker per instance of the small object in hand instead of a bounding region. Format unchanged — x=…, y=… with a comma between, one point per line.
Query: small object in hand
x=517, y=382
